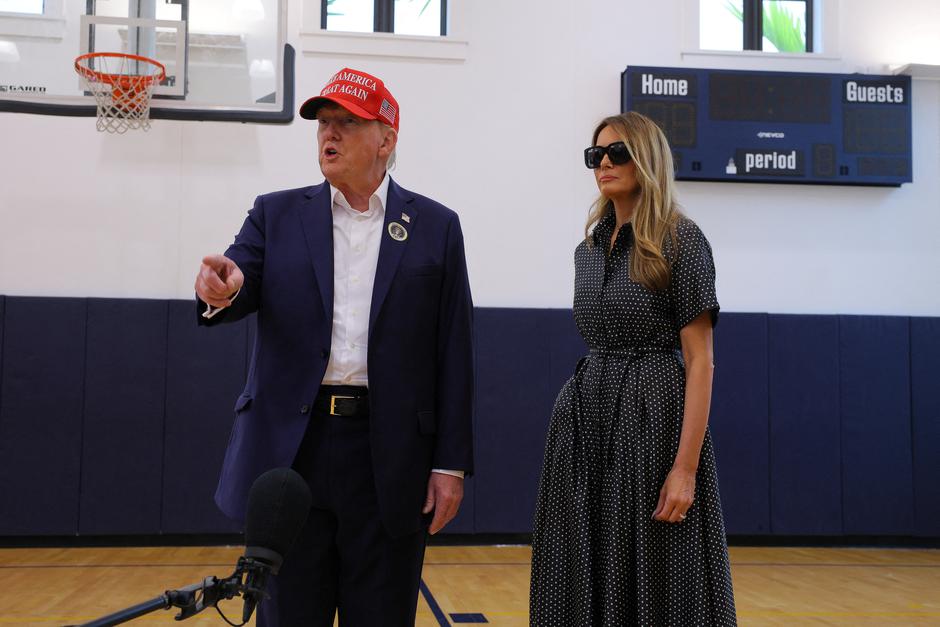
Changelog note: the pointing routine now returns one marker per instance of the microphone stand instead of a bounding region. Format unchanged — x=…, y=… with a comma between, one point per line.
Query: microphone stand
x=192, y=599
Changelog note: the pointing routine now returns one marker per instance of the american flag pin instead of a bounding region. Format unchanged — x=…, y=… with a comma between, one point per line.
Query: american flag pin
x=406, y=218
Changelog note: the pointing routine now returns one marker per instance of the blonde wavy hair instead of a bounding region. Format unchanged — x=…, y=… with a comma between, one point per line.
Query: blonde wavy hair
x=657, y=211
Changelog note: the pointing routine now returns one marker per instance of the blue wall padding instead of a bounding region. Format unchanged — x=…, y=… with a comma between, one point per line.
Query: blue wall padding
x=115, y=415
x=877, y=472
x=205, y=374
x=565, y=348
x=122, y=443
x=3, y=503
x=3, y=301
x=513, y=403
x=554, y=336
x=738, y=422
x=925, y=407
x=41, y=415
x=805, y=437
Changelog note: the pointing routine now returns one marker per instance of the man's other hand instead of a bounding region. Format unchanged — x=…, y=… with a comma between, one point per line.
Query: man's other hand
x=445, y=492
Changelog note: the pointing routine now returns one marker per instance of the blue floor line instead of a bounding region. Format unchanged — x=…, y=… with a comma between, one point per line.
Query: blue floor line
x=435, y=608
x=474, y=617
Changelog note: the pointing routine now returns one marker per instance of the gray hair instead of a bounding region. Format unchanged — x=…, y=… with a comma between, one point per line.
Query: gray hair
x=390, y=164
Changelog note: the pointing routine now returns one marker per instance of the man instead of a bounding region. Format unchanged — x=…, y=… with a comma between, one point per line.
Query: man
x=361, y=375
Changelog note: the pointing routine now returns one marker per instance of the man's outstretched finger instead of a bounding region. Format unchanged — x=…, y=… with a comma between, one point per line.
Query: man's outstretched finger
x=216, y=262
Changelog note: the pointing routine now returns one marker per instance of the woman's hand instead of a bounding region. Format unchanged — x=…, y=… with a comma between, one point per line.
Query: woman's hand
x=676, y=496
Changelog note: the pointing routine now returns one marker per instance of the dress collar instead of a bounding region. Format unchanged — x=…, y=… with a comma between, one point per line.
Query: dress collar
x=605, y=228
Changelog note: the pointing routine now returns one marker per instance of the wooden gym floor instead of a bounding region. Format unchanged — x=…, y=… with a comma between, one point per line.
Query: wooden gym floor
x=773, y=586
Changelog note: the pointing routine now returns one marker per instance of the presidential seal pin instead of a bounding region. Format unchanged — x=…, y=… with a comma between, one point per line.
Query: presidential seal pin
x=406, y=218
x=397, y=231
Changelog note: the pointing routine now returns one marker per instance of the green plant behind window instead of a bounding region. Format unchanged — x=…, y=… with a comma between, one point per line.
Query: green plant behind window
x=783, y=29
x=330, y=2
x=424, y=8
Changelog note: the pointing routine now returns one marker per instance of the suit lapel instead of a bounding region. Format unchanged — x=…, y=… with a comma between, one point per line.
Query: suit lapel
x=316, y=218
x=391, y=250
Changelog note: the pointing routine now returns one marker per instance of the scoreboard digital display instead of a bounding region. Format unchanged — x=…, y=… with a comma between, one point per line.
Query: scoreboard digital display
x=781, y=127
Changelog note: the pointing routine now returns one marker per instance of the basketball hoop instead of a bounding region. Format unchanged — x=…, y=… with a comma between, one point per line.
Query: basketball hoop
x=122, y=87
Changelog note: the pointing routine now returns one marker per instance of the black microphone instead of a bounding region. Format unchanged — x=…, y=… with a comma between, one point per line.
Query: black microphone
x=278, y=504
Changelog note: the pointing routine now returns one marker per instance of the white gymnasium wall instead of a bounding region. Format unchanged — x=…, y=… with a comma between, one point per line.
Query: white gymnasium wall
x=498, y=137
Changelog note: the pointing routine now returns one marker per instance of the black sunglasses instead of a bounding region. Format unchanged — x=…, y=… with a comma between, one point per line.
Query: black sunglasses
x=617, y=152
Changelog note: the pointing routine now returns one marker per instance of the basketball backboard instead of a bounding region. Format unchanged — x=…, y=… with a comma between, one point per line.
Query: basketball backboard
x=224, y=59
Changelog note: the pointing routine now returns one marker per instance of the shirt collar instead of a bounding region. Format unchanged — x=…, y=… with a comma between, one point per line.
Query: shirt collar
x=377, y=201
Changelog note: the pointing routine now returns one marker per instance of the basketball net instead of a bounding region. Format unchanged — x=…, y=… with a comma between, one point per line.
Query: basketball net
x=122, y=85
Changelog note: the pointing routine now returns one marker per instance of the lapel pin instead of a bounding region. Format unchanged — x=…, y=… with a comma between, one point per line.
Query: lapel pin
x=397, y=231
x=406, y=218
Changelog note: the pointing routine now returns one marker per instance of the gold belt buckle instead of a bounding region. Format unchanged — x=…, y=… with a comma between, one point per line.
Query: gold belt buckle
x=333, y=398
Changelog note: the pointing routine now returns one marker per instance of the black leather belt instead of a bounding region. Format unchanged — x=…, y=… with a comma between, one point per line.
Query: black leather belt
x=343, y=400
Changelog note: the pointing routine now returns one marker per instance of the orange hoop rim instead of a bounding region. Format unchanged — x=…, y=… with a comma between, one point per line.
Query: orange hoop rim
x=111, y=79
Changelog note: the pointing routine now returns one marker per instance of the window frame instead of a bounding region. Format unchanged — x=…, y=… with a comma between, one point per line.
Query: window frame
x=21, y=13
x=384, y=17
x=754, y=25
x=50, y=24
x=826, y=40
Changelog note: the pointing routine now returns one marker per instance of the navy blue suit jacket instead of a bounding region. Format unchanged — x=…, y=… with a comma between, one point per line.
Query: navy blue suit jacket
x=420, y=362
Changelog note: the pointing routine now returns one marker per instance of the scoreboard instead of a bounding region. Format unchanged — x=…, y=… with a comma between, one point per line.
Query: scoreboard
x=780, y=127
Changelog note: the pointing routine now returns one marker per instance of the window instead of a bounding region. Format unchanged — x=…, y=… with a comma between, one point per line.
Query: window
x=33, y=7
x=404, y=17
x=35, y=20
x=768, y=25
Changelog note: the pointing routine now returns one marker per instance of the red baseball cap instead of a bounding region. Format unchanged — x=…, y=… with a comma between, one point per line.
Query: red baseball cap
x=359, y=93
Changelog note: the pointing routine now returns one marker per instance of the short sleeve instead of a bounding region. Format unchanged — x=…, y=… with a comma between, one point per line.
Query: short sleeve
x=692, y=283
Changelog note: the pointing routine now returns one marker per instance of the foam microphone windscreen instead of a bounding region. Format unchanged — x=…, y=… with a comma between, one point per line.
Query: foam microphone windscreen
x=278, y=504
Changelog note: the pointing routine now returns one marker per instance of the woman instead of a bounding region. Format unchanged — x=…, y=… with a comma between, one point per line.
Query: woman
x=628, y=527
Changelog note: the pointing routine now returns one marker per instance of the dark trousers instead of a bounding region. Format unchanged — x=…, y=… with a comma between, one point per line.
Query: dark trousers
x=344, y=560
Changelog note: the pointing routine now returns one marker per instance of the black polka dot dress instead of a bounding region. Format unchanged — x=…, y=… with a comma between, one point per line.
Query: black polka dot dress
x=598, y=557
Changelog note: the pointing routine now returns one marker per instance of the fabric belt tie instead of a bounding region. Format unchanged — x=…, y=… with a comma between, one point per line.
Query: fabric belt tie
x=343, y=400
x=631, y=353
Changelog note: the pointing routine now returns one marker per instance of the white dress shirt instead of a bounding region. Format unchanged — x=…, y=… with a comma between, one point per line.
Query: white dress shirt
x=357, y=236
